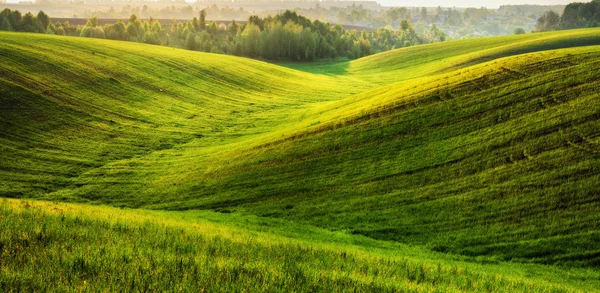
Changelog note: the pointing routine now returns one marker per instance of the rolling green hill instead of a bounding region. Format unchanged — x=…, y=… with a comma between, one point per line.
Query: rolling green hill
x=487, y=149
x=57, y=247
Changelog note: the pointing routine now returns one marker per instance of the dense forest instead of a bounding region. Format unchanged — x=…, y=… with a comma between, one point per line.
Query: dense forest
x=287, y=36
x=575, y=15
x=457, y=23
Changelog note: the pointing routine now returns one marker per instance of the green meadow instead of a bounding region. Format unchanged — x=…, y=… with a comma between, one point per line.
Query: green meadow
x=451, y=167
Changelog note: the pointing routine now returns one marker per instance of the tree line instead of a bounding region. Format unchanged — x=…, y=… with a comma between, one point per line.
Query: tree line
x=575, y=15
x=286, y=36
x=16, y=21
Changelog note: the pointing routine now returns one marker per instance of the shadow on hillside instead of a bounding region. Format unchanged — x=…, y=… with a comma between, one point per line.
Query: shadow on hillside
x=319, y=67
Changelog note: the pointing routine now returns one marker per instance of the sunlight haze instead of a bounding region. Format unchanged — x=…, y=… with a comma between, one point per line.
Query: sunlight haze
x=471, y=3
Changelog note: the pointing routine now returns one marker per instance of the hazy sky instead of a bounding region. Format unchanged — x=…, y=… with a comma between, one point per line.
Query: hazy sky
x=451, y=3
x=472, y=3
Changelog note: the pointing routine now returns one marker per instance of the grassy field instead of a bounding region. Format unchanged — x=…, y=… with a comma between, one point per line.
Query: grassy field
x=472, y=164
x=61, y=247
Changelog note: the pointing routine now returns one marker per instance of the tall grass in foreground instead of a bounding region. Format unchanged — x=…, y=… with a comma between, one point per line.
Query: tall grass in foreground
x=60, y=247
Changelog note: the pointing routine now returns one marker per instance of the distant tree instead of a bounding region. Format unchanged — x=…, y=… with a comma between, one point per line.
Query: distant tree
x=70, y=30
x=86, y=31
x=44, y=19
x=255, y=19
x=28, y=23
x=59, y=30
x=132, y=31
x=120, y=30
x=436, y=34
x=354, y=51
x=92, y=22
x=571, y=16
x=115, y=31
x=238, y=48
x=196, y=24
x=438, y=10
x=97, y=32
x=151, y=37
x=51, y=29
x=224, y=48
x=548, y=21
x=519, y=31
x=578, y=15
x=16, y=20
x=287, y=36
x=424, y=14
x=233, y=28
x=365, y=47
x=273, y=41
x=202, y=21
x=156, y=27
x=404, y=25
x=407, y=30
x=190, y=42
x=307, y=44
x=251, y=40
x=212, y=28
x=135, y=29
x=5, y=25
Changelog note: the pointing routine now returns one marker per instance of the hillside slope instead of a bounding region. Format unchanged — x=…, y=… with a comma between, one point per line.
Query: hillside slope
x=501, y=162
x=70, y=105
x=111, y=249
x=486, y=148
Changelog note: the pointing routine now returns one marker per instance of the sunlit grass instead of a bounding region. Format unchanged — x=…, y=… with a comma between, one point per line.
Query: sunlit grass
x=66, y=247
x=482, y=154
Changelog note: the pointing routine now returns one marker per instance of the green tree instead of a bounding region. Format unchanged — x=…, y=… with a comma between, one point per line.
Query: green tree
x=212, y=28
x=436, y=34
x=156, y=27
x=190, y=42
x=5, y=25
x=307, y=44
x=405, y=25
x=233, y=28
x=548, y=21
x=273, y=40
x=92, y=22
x=131, y=31
x=256, y=20
x=578, y=15
x=44, y=19
x=97, y=32
x=202, y=22
x=251, y=40
x=59, y=31
x=135, y=30
x=196, y=24
x=86, y=31
x=28, y=23
x=151, y=37
x=16, y=20
x=120, y=30
x=519, y=31
x=51, y=29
